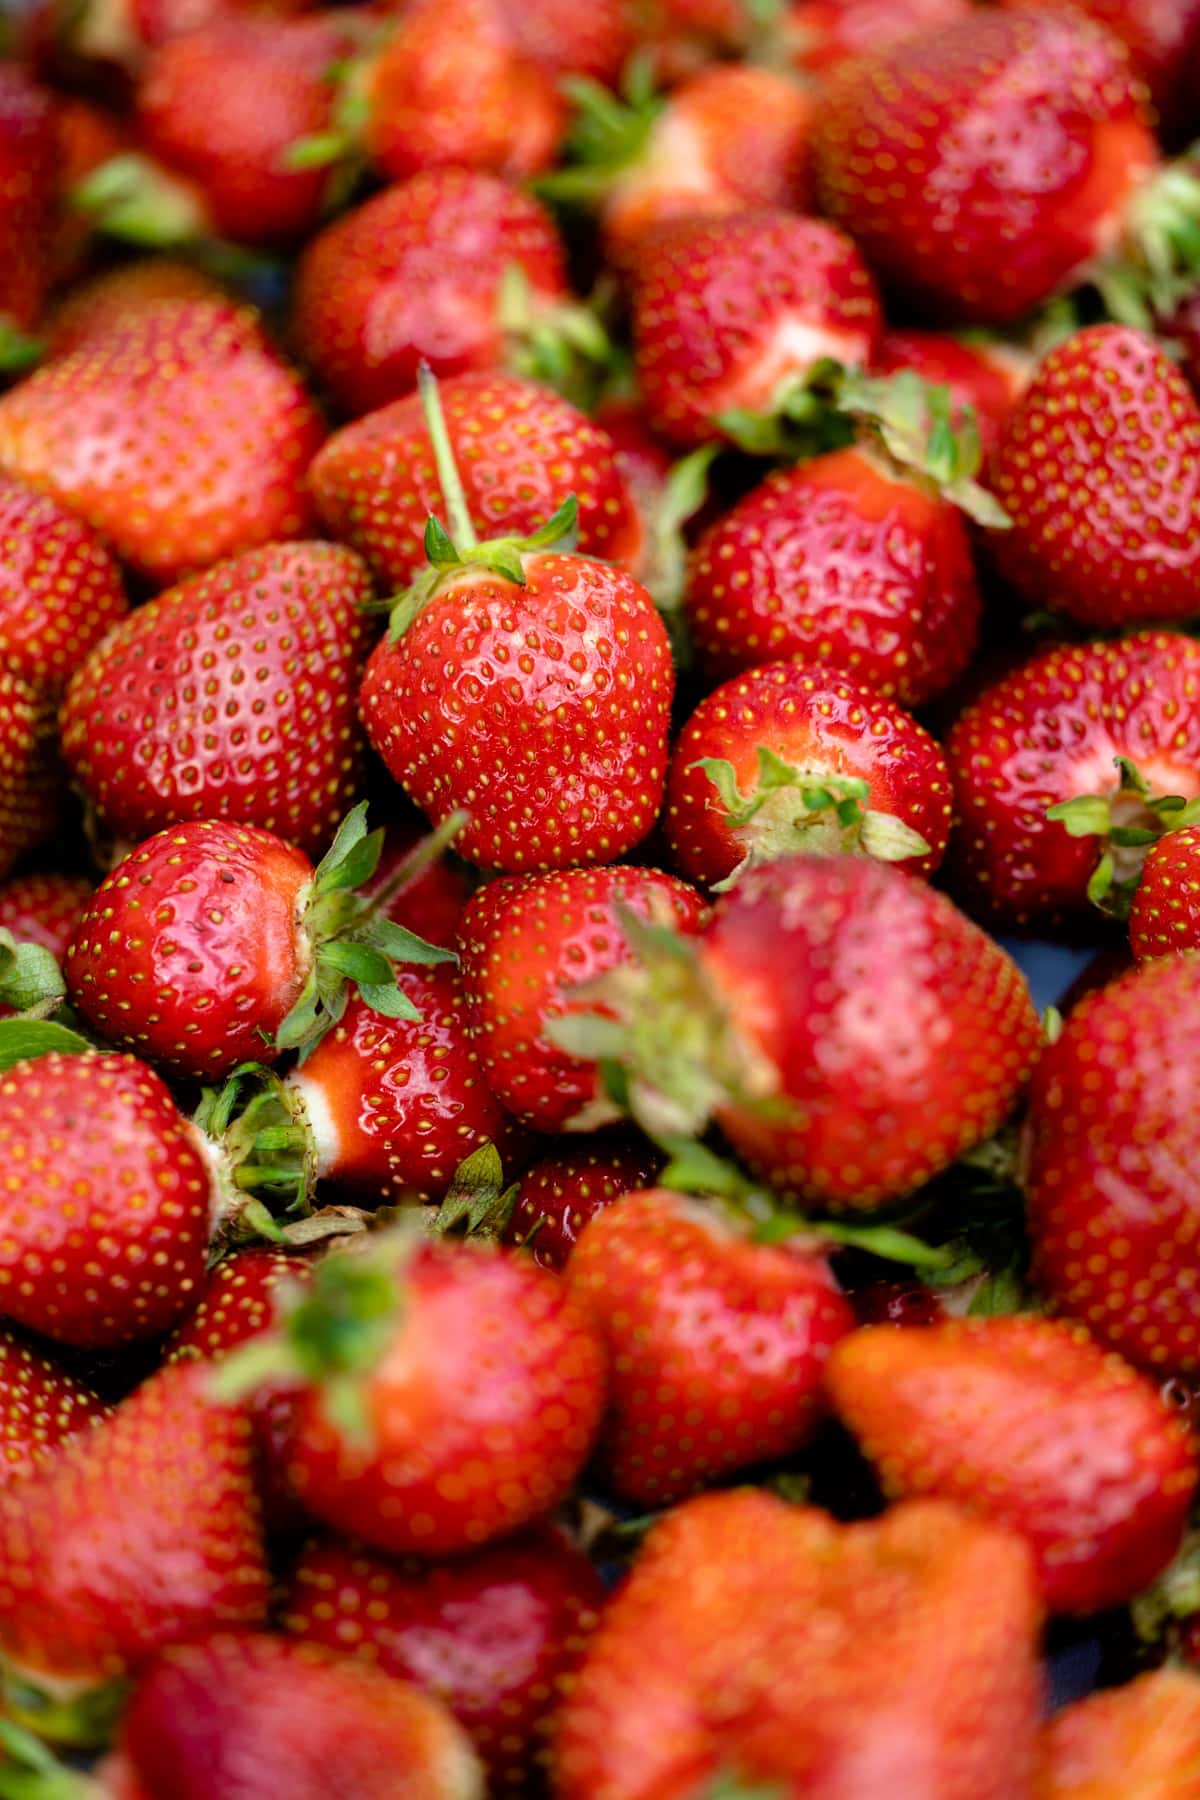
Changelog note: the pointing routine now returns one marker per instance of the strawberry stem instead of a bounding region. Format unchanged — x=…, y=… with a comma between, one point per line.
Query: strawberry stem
x=462, y=530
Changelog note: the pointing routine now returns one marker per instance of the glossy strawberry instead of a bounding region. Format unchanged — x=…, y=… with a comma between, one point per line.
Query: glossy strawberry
x=60, y=589
x=231, y=696
x=1051, y=732
x=1031, y=1424
x=897, y=607
x=821, y=34
x=525, y=943
x=562, y=1192
x=41, y=1406
x=1099, y=472
x=1164, y=916
x=732, y=315
x=92, y=309
x=986, y=374
x=236, y=1303
x=1024, y=143
x=792, y=756
x=43, y=909
x=1162, y=38
x=175, y=438
x=784, y=1648
x=31, y=775
x=1147, y=1731
x=28, y=156
x=494, y=1635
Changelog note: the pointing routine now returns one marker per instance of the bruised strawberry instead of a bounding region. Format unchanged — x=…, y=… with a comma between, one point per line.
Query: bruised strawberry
x=562, y=1192
x=493, y=1635
x=40, y=1407
x=1146, y=1731
x=60, y=589
x=1031, y=1424
x=1164, y=916
x=43, y=909
x=985, y=374
x=91, y=310
x=232, y=695
x=785, y=1649
x=794, y=757
x=28, y=171
x=821, y=34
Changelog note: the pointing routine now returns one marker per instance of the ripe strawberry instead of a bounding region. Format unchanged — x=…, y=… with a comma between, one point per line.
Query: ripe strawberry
x=1164, y=917
x=247, y=1714
x=525, y=944
x=561, y=39
x=793, y=757
x=41, y=1406
x=1030, y=1423
x=91, y=310
x=1112, y=1203
x=43, y=909
x=1145, y=1732
x=766, y=1645
x=494, y=1635
x=819, y=35
x=60, y=590
x=986, y=374
x=1024, y=144
x=1162, y=39
x=1099, y=472
x=519, y=447
x=96, y=1574
x=28, y=171
x=681, y=36
x=718, y=1344
x=237, y=1303
x=562, y=1192
x=897, y=608
x=450, y=1394
x=101, y=431
x=232, y=695
x=251, y=949
x=1119, y=721
x=732, y=316
x=416, y=274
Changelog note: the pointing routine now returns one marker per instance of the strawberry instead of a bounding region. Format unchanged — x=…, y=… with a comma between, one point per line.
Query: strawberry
x=449, y=1394
x=493, y=1635
x=88, y=136
x=1146, y=1731
x=1111, y=727
x=1031, y=1424
x=793, y=757
x=1164, y=917
x=767, y=1646
x=590, y=669
x=247, y=1714
x=518, y=446
x=1112, y=1207
x=30, y=773
x=95, y=1572
x=231, y=695
x=92, y=309
x=43, y=909
x=681, y=36
x=732, y=316
x=525, y=944
x=1099, y=472
x=28, y=172
x=252, y=948
x=1163, y=39
x=100, y=431
x=819, y=35
x=718, y=1343
x=237, y=1303
x=41, y=1406
x=985, y=374
x=60, y=590
x=416, y=274
x=556, y=36
x=431, y=894
x=896, y=1303
x=562, y=1192
x=1024, y=145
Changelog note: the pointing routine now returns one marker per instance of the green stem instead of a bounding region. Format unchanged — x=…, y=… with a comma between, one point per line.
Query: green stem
x=421, y=857
x=462, y=531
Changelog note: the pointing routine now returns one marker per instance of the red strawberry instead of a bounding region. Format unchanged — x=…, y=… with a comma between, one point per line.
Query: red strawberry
x=1112, y=1204
x=416, y=274
x=896, y=1303
x=562, y=1192
x=494, y=1636
x=1164, y=917
x=1146, y=1732
x=897, y=607
x=232, y=695
x=60, y=590
x=718, y=1344
x=525, y=944
x=175, y=438
x=1099, y=472
x=96, y=1571
x=1162, y=38
x=237, y=1303
x=564, y=40
x=681, y=36
x=732, y=316
x=821, y=34
x=40, y=1407
x=451, y=1394
x=1029, y=1423
x=30, y=771
x=1073, y=722
x=28, y=172
x=43, y=909
x=519, y=448
x=793, y=757
x=91, y=310
x=1023, y=143
x=214, y=944
x=246, y=1714
x=766, y=1645
x=985, y=374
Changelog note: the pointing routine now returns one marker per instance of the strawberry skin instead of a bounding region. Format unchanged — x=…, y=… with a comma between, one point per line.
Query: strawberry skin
x=414, y=275
x=542, y=710
x=31, y=776
x=40, y=1406
x=494, y=1635
x=1163, y=41
x=519, y=448
x=897, y=608
x=728, y=314
x=237, y=1302
x=43, y=909
x=60, y=590
x=525, y=943
x=562, y=1192
x=1099, y=472
x=765, y=1643
x=821, y=34
x=107, y=302
x=1165, y=915
x=560, y=38
x=232, y=695
x=1147, y=1731
x=28, y=170
x=718, y=1344
x=1030, y=1423
x=959, y=228
x=824, y=727
x=1049, y=732
x=986, y=375
x=101, y=431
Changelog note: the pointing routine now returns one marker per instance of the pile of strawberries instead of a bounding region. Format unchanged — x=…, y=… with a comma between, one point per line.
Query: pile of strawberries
x=564, y=571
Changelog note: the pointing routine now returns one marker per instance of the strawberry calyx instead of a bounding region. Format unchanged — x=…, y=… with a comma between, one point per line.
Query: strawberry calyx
x=134, y=198
x=31, y=981
x=18, y=350
x=1126, y=820
x=665, y=578
x=1174, y=1597
x=22, y=1038
x=1159, y=261
x=478, y=1203
x=562, y=343
x=30, y=1771
x=731, y=1786
x=265, y=1157
x=607, y=135
x=75, y=1713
